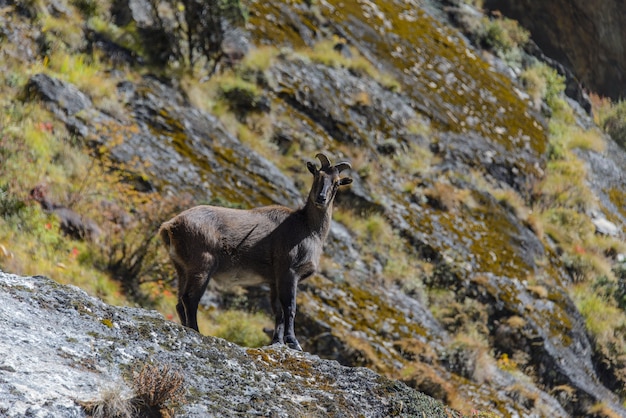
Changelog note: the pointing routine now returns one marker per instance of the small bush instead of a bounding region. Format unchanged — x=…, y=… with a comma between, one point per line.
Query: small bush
x=84, y=71
x=133, y=254
x=601, y=315
x=114, y=402
x=583, y=266
x=57, y=36
x=564, y=186
x=600, y=107
x=243, y=96
x=568, y=226
x=242, y=328
x=258, y=59
x=88, y=8
x=9, y=203
x=158, y=389
x=613, y=288
x=503, y=36
x=542, y=82
x=614, y=123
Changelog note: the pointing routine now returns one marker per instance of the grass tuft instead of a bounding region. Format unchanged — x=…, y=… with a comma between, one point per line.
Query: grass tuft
x=114, y=402
x=612, y=119
x=325, y=53
x=239, y=327
x=158, y=388
x=542, y=82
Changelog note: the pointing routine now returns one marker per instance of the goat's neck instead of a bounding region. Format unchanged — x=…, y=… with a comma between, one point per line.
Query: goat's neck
x=318, y=219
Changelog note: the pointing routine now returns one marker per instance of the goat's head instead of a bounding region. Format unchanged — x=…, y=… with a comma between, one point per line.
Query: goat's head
x=326, y=180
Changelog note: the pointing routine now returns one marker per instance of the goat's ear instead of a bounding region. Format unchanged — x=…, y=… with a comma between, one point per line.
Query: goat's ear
x=311, y=167
x=345, y=181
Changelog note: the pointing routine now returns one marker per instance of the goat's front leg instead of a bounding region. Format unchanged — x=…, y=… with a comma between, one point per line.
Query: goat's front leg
x=287, y=286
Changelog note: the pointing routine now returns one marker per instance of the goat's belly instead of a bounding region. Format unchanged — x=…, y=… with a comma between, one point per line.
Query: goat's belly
x=237, y=277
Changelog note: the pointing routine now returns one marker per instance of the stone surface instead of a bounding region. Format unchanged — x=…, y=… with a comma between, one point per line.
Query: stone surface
x=62, y=347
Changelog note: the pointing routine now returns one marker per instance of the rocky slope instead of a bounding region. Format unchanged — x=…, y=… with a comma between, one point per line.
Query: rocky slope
x=448, y=287
x=64, y=350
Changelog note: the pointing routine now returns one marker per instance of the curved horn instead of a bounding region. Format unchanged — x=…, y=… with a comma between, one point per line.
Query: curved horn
x=344, y=165
x=323, y=159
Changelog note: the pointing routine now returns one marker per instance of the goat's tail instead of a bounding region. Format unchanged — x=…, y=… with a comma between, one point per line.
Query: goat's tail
x=167, y=236
x=164, y=232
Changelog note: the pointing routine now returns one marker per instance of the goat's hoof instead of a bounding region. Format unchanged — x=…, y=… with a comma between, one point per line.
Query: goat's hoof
x=294, y=345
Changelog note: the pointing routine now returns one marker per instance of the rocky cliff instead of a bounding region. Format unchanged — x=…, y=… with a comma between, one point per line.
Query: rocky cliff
x=478, y=257
x=587, y=39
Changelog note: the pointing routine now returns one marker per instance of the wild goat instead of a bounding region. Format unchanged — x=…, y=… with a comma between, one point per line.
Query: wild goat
x=72, y=224
x=272, y=244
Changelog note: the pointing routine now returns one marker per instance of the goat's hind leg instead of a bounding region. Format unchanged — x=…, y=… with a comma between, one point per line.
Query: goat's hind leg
x=182, y=279
x=279, y=318
x=196, y=282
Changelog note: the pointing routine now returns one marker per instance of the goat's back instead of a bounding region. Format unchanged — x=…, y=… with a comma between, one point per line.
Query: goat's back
x=213, y=220
x=227, y=234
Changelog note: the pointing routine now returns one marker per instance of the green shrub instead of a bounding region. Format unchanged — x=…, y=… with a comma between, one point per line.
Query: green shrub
x=583, y=266
x=610, y=288
x=570, y=226
x=543, y=82
x=242, y=328
x=9, y=203
x=158, y=388
x=564, y=186
x=242, y=95
x=88, y=8
x=586, y=140
x=324, y=52
x=503, y=36
x=134, y=255
x=601, y=315
x=614, y=123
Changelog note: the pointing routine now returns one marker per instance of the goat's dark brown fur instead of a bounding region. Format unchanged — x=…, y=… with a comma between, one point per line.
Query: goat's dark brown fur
x=273, y=244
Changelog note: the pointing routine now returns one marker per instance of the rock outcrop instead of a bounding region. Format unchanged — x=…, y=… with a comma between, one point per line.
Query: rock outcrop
x=63, y=349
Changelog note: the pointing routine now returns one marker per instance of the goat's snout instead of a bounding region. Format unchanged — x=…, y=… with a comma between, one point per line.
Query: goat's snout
x=324, y=196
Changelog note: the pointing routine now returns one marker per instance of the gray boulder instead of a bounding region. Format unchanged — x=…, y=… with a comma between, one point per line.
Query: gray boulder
x=63, y=348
